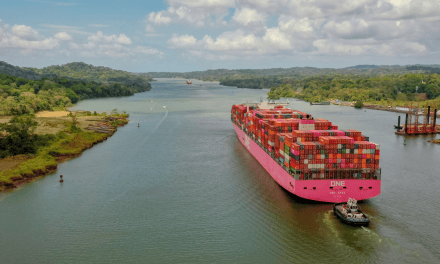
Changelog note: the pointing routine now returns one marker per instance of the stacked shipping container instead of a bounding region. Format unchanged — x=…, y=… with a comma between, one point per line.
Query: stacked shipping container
x=309, y=148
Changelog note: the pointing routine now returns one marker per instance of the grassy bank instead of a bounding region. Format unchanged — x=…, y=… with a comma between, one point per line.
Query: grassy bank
x=67, y=137
x=436, y=141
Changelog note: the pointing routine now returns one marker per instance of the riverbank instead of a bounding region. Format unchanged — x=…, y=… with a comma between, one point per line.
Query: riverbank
x=373, y=107
x=435, y=141
x=67, y=141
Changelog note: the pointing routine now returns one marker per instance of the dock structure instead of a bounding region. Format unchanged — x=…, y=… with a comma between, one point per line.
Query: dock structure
x=415, y=125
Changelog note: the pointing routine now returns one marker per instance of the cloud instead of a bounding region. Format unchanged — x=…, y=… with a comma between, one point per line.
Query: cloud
x=276, y=40
x=149, y=28
x=62, y=36
x=246, y=16
x=177, y=41
x=123, y=39
x=24, y=32
x=409, y=9
x=112, y=46
x=99, y=37
x=232, y=41
x=159, y=18
x=70, y=29
x=306, y=27
x=203, y=3
x=24, y=39
x=372, y=48
x=198, y=13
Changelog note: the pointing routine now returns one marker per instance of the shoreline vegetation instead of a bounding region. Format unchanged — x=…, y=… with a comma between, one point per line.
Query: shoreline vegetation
x=36, y=133
x=62, y=135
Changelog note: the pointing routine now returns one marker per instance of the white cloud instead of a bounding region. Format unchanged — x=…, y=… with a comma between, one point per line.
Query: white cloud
x=99, y=37
x=70, y=29
x=24, y=39
x=199, y=13
x=246, y=16
x=123, y=39
x=112, y=46
x=159, y=18
x=21, y=39
x=276, y=40
x=302, y=28
x=177, y=41
x=203, y=3
x=25, y=32
x=232, y=41
x=149, y=28
x=63, y=36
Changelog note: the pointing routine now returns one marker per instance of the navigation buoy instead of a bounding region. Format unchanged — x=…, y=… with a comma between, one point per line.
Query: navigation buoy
x=61, y=178
x=404, y=142
x=138, y=124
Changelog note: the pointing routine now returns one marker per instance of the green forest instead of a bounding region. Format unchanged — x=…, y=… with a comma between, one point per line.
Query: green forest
x=224, y=75
x=29, y=90
x=395, y=87
x=20, y=96
x=98, y=74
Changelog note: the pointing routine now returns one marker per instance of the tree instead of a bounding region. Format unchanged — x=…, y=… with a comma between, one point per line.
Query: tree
x=18, y=139
x=358, y=104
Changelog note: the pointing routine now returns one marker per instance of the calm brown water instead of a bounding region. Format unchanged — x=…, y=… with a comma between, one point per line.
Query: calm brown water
x=182, y=189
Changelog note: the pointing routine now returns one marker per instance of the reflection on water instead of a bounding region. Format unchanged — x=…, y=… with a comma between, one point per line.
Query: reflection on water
x=182, y=189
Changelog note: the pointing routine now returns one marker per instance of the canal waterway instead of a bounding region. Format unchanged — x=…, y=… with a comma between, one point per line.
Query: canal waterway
x=181, y=188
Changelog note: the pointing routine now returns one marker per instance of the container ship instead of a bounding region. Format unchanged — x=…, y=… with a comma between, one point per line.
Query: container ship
x=310, y=158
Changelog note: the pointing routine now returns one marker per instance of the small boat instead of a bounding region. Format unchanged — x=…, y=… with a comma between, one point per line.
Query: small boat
x=398, y=127
x=189, y=81
x=350, y=213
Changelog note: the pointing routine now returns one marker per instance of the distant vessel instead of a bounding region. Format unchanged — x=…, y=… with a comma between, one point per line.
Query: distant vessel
x=189, y=81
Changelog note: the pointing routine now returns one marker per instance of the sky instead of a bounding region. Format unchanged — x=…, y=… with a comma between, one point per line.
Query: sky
x=197, y=35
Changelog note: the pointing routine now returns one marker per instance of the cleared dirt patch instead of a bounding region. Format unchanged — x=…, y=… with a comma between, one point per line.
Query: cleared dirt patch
x=11, y=163
x=52, y=113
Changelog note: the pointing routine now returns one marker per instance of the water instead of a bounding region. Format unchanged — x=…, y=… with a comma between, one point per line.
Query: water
x=182, y=189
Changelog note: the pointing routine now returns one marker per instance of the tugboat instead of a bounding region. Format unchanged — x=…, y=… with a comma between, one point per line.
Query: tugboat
x=350, y=213
x=189, y=81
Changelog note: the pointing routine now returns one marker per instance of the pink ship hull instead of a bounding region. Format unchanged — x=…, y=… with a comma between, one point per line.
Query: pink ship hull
x=317, y=190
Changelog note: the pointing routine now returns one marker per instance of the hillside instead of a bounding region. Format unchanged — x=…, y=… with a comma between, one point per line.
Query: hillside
x=296, y=72
x=99, y=74
x=26, y=73
x=387, y=88
x=20, y=96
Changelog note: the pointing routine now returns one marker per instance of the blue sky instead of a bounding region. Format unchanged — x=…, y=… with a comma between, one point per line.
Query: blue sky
x=189, y=35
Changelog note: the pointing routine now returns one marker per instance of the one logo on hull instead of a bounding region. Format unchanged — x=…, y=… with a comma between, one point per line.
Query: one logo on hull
x=337, y=183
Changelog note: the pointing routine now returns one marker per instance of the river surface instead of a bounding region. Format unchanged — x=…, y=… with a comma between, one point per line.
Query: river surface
x=181, y=188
